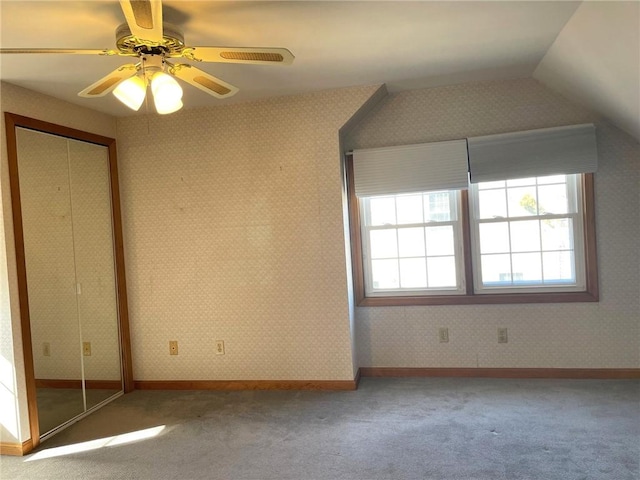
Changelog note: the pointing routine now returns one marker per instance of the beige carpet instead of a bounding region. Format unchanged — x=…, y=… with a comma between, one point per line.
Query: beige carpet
x=388, y=429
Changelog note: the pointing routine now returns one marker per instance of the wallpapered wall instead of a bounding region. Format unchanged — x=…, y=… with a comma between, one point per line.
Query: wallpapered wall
x=588, y=335
x=14, y=420
x=233, y=230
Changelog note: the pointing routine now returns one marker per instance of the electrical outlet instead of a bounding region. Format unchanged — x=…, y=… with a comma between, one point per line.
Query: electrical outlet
x=46, y=349
x=86, y=349
x=173, y=347
x=502, y=335
x=219, y=347
x=443, y=335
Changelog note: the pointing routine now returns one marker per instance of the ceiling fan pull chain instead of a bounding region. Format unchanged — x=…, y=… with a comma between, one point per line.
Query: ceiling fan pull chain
x=146, y=97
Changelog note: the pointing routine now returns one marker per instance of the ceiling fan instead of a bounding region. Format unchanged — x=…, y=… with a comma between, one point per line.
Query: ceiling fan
x=152, y=43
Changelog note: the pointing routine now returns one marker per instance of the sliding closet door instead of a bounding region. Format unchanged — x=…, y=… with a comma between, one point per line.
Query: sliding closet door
x=51, y=276
x=95, y=269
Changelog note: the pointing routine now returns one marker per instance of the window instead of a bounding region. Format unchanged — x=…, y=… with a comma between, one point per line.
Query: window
x=412, y=243
x=513, y=241
x=513, y=224
x=527, y=234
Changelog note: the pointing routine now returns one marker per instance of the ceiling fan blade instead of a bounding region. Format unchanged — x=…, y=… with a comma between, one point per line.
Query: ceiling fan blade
x=202, y=80
x=257, y=56
x=109, y=82
x=69, y=51
x=144, y=18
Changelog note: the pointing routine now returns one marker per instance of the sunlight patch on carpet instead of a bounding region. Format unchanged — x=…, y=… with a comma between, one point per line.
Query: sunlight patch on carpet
x=113, y=441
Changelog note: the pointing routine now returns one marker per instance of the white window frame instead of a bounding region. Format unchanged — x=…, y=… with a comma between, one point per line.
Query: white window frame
x=575, y=199
x=366, y=228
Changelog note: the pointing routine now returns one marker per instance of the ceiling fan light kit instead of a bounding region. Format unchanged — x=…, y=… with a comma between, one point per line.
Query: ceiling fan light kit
x=167, y=94
x=131, y=92
x=152, y=42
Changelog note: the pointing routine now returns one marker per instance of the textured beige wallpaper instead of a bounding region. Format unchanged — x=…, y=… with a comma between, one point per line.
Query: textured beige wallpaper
x=15, y=424
x=234, y=231
x=588, y=335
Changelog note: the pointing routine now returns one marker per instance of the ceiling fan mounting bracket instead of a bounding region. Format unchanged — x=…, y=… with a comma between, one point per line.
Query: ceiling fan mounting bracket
x=172, y=42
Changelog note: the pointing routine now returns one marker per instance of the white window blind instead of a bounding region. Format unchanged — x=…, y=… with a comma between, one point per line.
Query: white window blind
x=532, y=153
x=411, y=168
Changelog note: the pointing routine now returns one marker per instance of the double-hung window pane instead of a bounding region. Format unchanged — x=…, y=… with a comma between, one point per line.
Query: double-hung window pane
x=527, y=234
x=411, y=243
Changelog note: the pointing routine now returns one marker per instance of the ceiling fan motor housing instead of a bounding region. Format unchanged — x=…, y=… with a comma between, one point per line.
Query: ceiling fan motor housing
x=172, y=41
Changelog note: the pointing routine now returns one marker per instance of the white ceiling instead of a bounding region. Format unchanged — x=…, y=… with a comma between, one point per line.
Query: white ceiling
x=595, y=61
x=343, y=43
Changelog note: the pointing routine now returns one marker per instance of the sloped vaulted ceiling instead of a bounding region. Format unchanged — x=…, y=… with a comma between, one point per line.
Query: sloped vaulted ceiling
x=587, y=51
x=404, y=44
x=595, y=61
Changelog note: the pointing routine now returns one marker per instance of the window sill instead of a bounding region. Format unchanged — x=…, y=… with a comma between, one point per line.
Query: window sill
x=483, y=299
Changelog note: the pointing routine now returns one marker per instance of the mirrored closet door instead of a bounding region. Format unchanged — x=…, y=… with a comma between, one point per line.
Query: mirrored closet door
x=68, y=233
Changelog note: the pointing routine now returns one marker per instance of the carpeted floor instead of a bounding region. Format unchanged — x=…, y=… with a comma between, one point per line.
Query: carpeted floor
x=435, y=428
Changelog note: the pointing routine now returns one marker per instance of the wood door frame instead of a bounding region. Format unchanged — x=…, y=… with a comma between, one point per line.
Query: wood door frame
x=12, y=121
